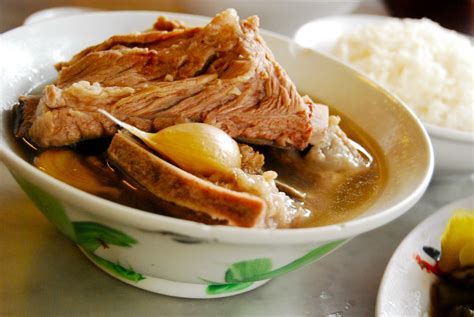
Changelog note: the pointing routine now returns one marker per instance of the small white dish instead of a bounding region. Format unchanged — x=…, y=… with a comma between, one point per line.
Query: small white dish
x=323, y=33
x=405, y=287
x=454, y=149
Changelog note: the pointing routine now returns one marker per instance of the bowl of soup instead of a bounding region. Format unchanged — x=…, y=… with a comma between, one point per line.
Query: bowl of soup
x=130, y=208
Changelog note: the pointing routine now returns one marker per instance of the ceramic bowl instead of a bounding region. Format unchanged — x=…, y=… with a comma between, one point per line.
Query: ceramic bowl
x=182, y=258
x=454, y=149
x=282, y=16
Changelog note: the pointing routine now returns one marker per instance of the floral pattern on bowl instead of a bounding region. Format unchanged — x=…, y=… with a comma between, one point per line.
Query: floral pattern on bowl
x=92, y=236
x=176, y=257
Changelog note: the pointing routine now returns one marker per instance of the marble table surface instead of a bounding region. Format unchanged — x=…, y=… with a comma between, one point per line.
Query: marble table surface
x=43, y=274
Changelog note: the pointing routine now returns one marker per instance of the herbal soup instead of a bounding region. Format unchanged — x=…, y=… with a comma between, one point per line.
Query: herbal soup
x=327, y=196
x=202, y=124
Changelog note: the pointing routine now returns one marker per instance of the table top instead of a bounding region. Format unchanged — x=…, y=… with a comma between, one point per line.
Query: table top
x=44, y=274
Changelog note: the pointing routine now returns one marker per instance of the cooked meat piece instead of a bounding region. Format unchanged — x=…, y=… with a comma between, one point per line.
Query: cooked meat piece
x=179, y=187
x=157, y=97
x=172, y=55
x=320, y=123
x=96, y=177
x=53, y=127
x=119, y=67
x=335, y=151
x=68, y=116
x=328, y=165
x=252, y=161
x=252, y=98
x=282, y=211
x=181, y=212
x=164, y=24
x=81, y=96
x=25, y=114
x=132, y=40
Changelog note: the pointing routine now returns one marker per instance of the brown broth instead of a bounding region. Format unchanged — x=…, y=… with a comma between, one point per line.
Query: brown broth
x=352, y=194
x=329, y=204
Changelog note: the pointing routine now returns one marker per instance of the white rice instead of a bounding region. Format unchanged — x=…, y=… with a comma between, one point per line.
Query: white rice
x=429, y=67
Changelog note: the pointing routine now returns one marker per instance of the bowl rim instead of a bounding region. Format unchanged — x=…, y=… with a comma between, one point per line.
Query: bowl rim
x=449, y=133
x=150, y=222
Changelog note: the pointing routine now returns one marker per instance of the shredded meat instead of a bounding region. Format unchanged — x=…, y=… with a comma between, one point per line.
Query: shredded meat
x=252, y=161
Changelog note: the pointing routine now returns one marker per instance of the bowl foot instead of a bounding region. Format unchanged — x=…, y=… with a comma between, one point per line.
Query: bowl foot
x=172, y=288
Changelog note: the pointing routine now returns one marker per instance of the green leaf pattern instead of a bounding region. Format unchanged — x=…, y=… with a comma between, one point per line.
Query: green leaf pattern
x=116, y=268
x=89, y=235
x=243, y=274
x=246, y=271
x=216, y=289
x=49, y=206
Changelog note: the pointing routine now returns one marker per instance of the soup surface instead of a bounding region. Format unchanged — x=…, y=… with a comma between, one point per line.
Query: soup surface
x=330, y=196
x=335, y=196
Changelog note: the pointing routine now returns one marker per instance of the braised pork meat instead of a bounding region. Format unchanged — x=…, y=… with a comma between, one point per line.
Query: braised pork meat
x=221, y=74
x=184, y=189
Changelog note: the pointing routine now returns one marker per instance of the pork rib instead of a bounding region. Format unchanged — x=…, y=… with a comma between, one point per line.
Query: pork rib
x=181, y=188
x=249, y=96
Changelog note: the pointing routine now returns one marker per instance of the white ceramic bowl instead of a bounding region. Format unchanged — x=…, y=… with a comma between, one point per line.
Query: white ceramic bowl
x=454, y=149
x=55, y=12
x=183, y=258
x=282, y=16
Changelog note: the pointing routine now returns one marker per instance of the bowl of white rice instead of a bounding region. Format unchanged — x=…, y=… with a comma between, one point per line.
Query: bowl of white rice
x=429, y=67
